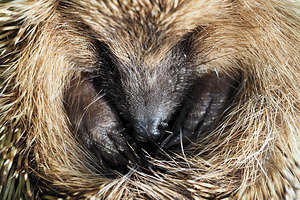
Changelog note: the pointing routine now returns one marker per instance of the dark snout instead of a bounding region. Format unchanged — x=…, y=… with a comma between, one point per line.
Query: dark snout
x=150, y=129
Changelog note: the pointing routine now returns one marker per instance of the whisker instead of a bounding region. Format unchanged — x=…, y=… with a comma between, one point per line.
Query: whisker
x=181, y=145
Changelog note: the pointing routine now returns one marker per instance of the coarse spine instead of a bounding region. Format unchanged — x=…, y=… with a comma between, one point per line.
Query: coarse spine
x=264, y=143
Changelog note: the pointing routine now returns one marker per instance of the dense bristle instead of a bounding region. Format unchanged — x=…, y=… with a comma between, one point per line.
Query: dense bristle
x=253, y=154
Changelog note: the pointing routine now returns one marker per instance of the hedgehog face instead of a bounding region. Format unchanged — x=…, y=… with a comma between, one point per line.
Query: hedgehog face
x=148, y=86
x=124, y=105
x=147, y=96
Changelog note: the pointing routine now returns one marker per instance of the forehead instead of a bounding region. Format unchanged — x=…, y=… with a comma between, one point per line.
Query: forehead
x=135, y=26
x=145, y=29
x=133, y=17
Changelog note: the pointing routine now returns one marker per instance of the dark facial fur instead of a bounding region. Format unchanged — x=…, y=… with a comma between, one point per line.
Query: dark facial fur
x=121, y=107
x=147, y=88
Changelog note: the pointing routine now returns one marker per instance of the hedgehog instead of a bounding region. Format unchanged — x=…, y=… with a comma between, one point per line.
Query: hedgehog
x=150, y=99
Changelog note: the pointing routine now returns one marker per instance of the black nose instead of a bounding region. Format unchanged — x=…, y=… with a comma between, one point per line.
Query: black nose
x=148, y=130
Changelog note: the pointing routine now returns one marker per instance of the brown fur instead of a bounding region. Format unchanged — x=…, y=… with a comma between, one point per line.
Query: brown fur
x=253, y=154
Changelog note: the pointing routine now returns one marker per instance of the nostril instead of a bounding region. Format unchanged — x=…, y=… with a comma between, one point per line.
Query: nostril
x=154, y=134
x=163, y=125
x=148, y=130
